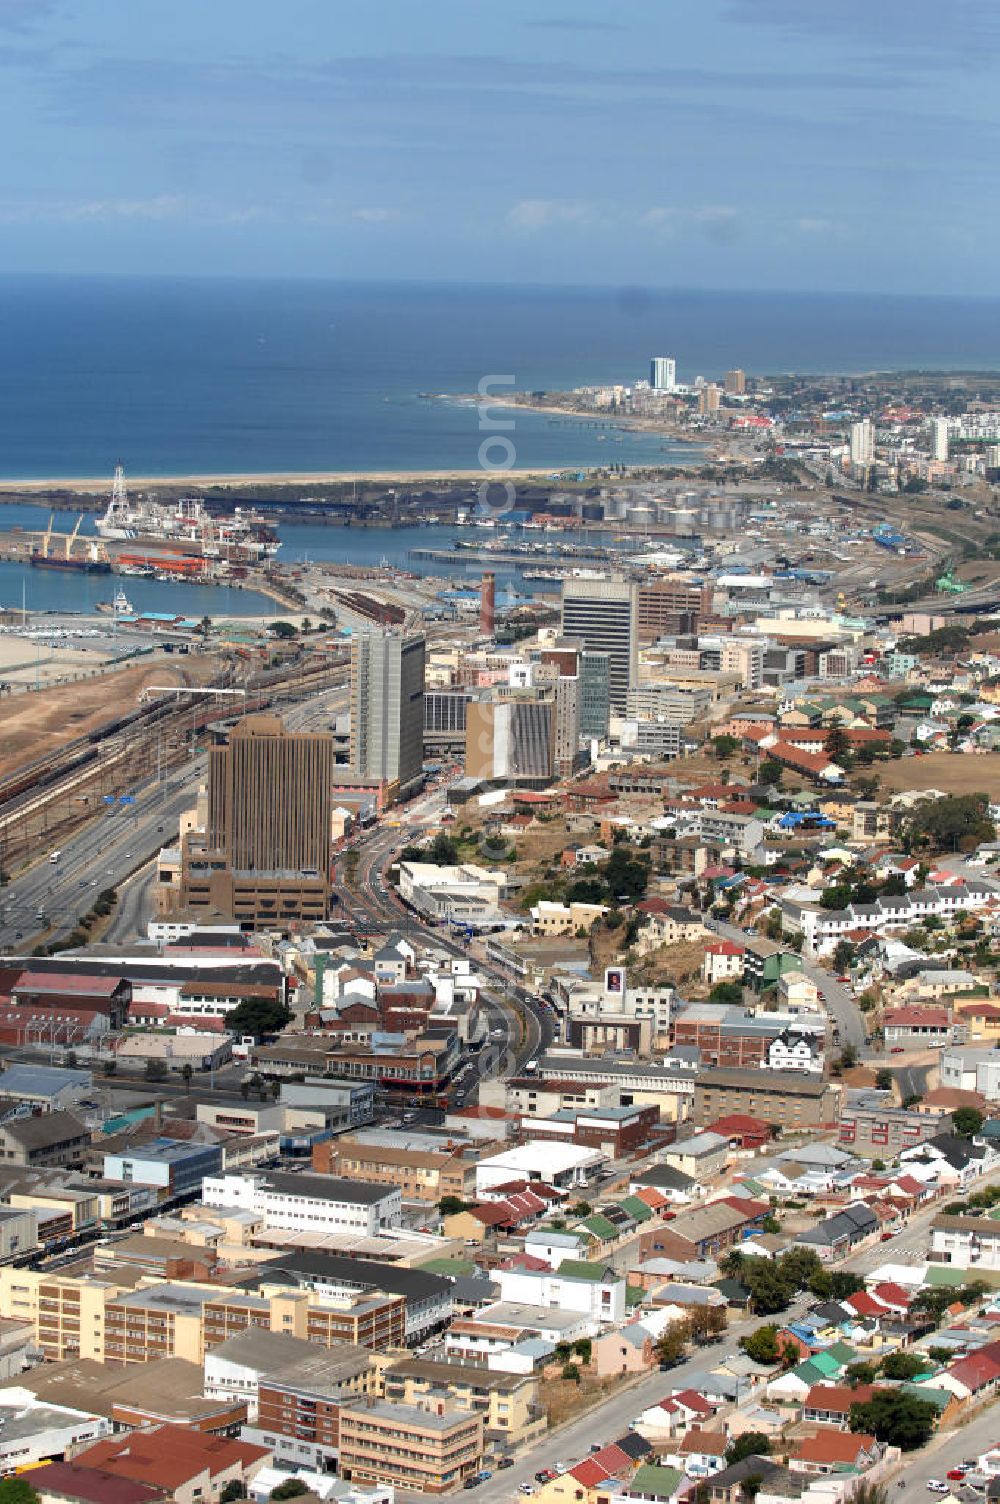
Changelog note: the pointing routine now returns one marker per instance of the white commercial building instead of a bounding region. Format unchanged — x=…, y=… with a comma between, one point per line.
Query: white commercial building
x=862, y=442
x=32, y=1430
x=556, y=1164
x=663, y=373
x=317, y=1203
x=601, y=1296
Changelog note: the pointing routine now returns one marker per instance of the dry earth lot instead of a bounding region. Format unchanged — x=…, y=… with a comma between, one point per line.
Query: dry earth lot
x=33, y=725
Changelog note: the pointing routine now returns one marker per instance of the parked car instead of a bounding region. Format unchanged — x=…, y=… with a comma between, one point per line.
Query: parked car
x=935, y=1486
x=505, y=1462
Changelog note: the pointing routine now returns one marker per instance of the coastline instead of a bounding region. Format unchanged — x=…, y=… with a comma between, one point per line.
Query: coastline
x=98, y=485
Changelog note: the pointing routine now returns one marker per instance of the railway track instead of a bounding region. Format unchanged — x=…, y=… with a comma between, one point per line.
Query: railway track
x=111, y=758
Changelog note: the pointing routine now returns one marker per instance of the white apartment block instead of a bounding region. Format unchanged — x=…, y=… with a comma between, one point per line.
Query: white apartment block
x=315, y=1203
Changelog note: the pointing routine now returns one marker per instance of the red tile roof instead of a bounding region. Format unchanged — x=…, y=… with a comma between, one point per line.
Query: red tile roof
x=92, y=1485
x=865, y=1304
x=892, y=1294
x=724, y=948
x=710, y=1443
x=831, y=1445
x=168, y=1456
x=589, y=1473
x=916, y=1017
x=977, y=1370
x=838, y=1398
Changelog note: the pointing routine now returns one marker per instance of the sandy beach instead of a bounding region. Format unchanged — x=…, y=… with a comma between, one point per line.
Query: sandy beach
x=98, y=485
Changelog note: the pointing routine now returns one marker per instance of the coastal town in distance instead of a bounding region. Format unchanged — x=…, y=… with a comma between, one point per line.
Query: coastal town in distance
x=499, y=979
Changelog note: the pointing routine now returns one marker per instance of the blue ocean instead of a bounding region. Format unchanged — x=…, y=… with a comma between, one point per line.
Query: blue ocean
x=182, y=376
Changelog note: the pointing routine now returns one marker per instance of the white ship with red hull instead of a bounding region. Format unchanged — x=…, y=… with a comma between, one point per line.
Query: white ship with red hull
x=240, y=537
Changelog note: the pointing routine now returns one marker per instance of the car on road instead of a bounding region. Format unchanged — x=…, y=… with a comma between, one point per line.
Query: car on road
x=472, y=1482
x=526, y=1488
x=505, y=1462
x=956, y=1473
x=935, y=1486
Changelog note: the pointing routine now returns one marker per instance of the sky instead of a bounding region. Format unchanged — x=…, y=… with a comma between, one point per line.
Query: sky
x=762, y=144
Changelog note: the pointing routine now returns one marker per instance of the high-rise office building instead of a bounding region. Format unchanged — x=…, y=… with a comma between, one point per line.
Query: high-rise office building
x=604, y=615
x=670, y=605
x=663, y=373
x=387, y=707
x=939, y=438
x=862, y=442
x=595, y=695
x=709, y=399
x=264, y=855
x=735, y=383
x=510, y=734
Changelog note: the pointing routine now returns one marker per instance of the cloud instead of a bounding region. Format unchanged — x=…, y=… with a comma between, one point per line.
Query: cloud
x=24, y=15
x=574, y=23
x=375, y=216
x=547, y=213
x=162, y=206
x=719, y=222
x=964, y=34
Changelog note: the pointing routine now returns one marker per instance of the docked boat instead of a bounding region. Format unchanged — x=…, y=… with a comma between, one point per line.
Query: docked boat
x=242, y=536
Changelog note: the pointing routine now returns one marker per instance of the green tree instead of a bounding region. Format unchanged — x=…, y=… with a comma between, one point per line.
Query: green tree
x=672, y=1344
x=838, y=745
x=958, y=822
x=843, y=956
x=257, y=1016
x=442, y=851
x=289, y=1489
x=283, y=629
x=583, y=1349
x=902, y=1365
x=627, y=875
x=725, y=746
x=570, y=1372
x=233, y=1490
x=896, y=1418
x=770, y=773
x=156, y=1070
x=883, y=1079
x=967, y=1121
x=762, y=1345
x=726, y=992
x=187, y=1072
x=450, y=1206
x=750, y=1444
x=17, y=1491
x=770, y=1289
x=860, y=1373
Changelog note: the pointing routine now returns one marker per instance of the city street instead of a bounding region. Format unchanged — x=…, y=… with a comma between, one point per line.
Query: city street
x=838, y=999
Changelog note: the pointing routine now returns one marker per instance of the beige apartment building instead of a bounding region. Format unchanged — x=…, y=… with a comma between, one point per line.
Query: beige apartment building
x=93, y=1318
x=507, y=1402
x=421, y=1175
x=421, y=1450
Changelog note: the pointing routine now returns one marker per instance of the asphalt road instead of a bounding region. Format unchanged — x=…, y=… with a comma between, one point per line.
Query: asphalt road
x=372, y=902
x=837, y=998
x=99, y=856
x=572, y=1442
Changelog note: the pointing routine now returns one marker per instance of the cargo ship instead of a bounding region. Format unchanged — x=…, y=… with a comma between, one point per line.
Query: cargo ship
x=56, y=552
x=243, y=536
